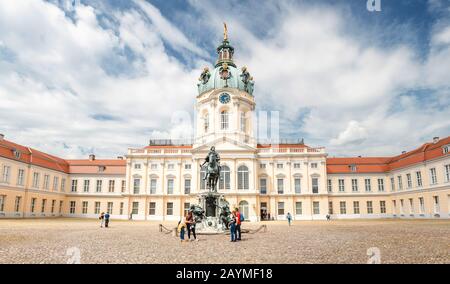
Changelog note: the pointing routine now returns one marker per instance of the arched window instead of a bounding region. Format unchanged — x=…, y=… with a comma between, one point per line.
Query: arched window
x=243, y=178
x=202, y=176
x=224, y=182
x=224, y=120
x=206, y=122
x=243, y=208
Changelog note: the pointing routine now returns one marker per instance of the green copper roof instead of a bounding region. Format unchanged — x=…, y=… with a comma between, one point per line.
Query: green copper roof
x=235, y=81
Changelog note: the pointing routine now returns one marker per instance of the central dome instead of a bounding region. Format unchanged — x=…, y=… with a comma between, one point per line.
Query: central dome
x=216, y=81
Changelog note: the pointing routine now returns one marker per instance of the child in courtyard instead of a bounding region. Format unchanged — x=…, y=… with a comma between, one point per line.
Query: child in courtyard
x=232, y=225
x=289, y=218
x=102, y=219
x=181, y=229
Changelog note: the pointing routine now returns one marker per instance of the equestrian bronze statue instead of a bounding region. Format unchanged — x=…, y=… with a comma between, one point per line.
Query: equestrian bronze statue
x=212, y=170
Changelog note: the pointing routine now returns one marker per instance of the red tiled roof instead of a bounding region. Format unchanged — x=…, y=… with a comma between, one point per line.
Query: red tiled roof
x=282, y=145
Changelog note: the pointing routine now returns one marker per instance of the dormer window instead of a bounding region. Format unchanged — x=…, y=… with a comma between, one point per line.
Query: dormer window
x=16, y=153
x=101, y=169
x=352, y=168
x=445, y=149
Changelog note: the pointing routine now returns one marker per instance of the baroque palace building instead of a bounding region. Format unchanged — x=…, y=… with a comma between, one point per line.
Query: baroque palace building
x=265, y=180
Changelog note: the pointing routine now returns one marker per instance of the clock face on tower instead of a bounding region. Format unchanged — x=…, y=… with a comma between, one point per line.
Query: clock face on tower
x=224, y=98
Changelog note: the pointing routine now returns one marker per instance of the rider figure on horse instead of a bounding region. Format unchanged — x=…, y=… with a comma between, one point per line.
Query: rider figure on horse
x=213, y=160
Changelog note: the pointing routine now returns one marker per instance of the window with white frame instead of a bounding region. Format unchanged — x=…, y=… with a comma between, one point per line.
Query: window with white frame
x=262, y=165
x=33, y=205
x=111, y=185
x=123, y=187
x=436, y=204
x=17, y=204
x=445, y=149
x=315, y=185
x=97, y=207
x=152, y=208
x=342, y=207
x=60, y=206
x=411, y=206
x=297, y=185
x=380, y=184
x=243, y=178
x=408, y=181
x=330, y=207
x=86, y=184
x=187, y=186
x=354, y=185
x=421, y=205
x=394, y=207
x=36, y=180
x=224, y=120
x=169, y=211
x=46, y=181
x=400, y=182
x=135, y=208
x=402, y=206
x=6, y=174
x=383, y=207
x=170, y=182
x=225, y=178
x=316, y=208
x=2, y=202
x=263, y=186
x=298, y=208
x=392, y=184
x=352, y=168
x=55, y=183
x=280, y=185
x=187, y=206
x=154, y=166
x=136, y=185
x=170, y=166
x=279, y=166
x=63, y=185
x=20, y=177
x=137, y=166
x=297, y=165
x=447, y=173
x=313, y=165
x=110, y=208
x=367, y=185
x=369, y=207
x=202, y=178
x=84, y=207
x=187, y=166
x=243, y=122
x=52, y=209
x=433, y=176
x=72, y=207
x=330, y=185
x=153, y=184
x=356, y=207
x=280, y=208
x=341, y=185
x=419, y=178
x=121, y=208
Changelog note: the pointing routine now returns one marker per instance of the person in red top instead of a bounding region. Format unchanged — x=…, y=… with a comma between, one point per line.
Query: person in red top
x=238, y=225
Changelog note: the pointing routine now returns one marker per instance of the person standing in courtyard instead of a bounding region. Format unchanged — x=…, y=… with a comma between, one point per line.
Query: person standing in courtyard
x=289, y=218
x=102, y=219
x=107, y=220
x=238, y=224
x=190, y=225
x=232, y=226
x=181, y=229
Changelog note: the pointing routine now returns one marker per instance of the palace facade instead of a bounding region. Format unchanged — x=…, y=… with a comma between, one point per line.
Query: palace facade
x=265, y=180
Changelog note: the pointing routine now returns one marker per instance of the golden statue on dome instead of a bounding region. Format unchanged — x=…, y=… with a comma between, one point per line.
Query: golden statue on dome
x=225, y=31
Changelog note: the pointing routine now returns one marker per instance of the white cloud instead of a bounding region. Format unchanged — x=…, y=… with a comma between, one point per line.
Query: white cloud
x=354, y=134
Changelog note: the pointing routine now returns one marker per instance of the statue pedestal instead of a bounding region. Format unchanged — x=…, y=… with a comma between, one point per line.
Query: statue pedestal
x=211, y=223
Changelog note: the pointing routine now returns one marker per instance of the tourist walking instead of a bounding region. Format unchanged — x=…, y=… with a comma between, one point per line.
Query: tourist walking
x=102, y=219
x=190, y=225
x=181, y=229
x=289, y=218
x=239, y=219
x=232, y=225
x=106, y=219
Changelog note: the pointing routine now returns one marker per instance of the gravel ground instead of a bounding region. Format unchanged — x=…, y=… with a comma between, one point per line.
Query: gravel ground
x=399, y=241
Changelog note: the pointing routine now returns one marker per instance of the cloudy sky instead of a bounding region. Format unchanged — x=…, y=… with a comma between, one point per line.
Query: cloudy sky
x=101, y=76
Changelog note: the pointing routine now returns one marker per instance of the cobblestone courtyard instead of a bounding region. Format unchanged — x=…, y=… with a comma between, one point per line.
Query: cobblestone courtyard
x=399, y=241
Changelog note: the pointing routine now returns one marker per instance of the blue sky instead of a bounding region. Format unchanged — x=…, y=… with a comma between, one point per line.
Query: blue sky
x=100, y=76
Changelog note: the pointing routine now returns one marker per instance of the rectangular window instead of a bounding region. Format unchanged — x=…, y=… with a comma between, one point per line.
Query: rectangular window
x=135, y=208
x=436, y=204
x=2, y=202
x=97, y=207
x=33, y=205
x=281, y=208
x=84, y=209
x=380, y=184
x=55, y=183
x=402, y=206
x=367, y=185
x=170, y=186
x=110, y=207
x=369, y=207
x=224, y=120
x=72, y=207
x=315, y=185
x=169, y=209
x=419, y=178
x=411, y=206
x=262, y=166
x=296, y=165
x=187, y=166
x=137, y=166
x=98, y=187
x=154, y=166
x=170, y=166
x=279, y=166
x=187, y=186
x=280, y=185
x=400, y=182
x=152, y=208
x=63, y=185
x=297, y=185
x=356, y=207
x=394, y=207
x=53, y=206
x=44, y=203
x=121, y=208
x=383, y=207
x=313, y=165
x=136, y=185
x=421, y=205
x=46, y=181
x=342, y=208
x=111, y=185
x=408, y=181
x=36, y=180
x=123, y=187
x=243, y=121
x=20, y=177
x=298, y=208
x=433, y=176
x=6, y=174
x=153, y=183
x=16, y=204
x=392, y=184
x=354, y=185
x=447, y=173
x=353, y=168
x=263, y=186
x=330, y=207
x=60, y=206
x=86, y=184
x=341, y=185
x=74, y=185
x=316, y=208
x=330, y=186
x=187, y=205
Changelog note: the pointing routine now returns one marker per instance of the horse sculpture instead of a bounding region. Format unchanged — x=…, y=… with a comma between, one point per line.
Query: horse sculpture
x=225, y=215
x=198, y=212
x=212, y=170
